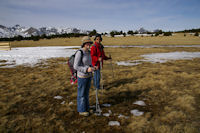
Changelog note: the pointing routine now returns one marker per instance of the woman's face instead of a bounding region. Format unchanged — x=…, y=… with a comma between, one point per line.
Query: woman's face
x=87, y=45
x=98, y=40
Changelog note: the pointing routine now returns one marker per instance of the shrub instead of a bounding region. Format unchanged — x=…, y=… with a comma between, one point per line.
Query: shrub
x=167, y=34
x=196, y=34
x=130, y=32
x=93, y=33
x=112, y=33
x=124, y=34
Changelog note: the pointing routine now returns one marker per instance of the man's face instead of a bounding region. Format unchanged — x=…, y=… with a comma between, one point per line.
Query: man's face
x=98, y=40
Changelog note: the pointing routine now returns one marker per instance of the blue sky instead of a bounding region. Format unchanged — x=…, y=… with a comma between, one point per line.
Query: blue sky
x=102, y=15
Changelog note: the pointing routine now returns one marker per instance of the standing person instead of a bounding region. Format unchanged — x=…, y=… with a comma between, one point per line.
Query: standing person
x=98, y=55
x=83, y=65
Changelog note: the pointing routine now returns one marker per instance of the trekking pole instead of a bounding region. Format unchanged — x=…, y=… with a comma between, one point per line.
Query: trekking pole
x=101, y=69
x=98, y=109
x=111, y=66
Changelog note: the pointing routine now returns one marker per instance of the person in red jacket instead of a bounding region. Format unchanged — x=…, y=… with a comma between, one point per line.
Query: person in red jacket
x=98, y=55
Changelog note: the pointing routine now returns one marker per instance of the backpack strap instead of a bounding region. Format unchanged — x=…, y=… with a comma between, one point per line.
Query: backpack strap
x=95, y=47
x=81, y=54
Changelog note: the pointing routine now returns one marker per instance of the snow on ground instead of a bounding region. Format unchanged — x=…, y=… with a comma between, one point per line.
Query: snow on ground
x=63, y=102
x=152, y=46
x=114, y=123
x=58, y=97
x=123, y=116
x=106, y=114
x=106, y=105
x=32, y=55
x=141, y=103
x=136, y=112
x=162, y=58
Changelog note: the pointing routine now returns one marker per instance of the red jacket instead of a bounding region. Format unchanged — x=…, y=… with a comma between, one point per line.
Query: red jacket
x=96, y=52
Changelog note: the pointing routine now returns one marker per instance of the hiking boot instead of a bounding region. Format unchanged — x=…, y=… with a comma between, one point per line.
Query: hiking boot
x=84, y=113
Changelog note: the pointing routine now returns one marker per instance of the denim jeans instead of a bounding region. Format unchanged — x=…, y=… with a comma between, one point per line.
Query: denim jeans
x=83, y=94
x=96, y=79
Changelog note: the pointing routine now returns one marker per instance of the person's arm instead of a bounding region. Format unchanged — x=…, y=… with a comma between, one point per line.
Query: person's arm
x=77, y=63
x=103, y=54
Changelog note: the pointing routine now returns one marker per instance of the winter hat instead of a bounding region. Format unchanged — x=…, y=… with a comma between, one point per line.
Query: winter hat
x=86, y=39
x=98, y=35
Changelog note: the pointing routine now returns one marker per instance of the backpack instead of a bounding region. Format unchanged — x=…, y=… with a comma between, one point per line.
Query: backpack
x=70, y=63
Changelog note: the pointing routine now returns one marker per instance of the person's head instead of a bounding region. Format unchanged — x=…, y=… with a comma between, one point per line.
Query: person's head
x=86, y=42
x=98, y=38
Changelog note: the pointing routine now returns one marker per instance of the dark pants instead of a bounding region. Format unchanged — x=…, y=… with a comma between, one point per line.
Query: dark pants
x=83, y=94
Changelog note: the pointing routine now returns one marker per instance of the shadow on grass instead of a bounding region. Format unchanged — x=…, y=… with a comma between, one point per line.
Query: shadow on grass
x=124, y=97
x=117, y=83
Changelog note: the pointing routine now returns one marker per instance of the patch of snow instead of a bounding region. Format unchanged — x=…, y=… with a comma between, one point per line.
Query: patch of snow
x=109, y=111
x=136, y=112
x=152, y=46
x=114, y=123
x=141, y=103
x=119, y=35
x=106, y=105
x=33, y=55
x=128, y=63
x=162, y=58
x=122, y=116
x=106, y=114
x=58, y=97
x=63, y=102
x=71, y=103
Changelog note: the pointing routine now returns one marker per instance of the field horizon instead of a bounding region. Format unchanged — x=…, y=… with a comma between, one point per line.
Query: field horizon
x=176, y=39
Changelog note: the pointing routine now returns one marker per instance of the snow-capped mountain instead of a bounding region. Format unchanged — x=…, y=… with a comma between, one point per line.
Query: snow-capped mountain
x=142, y=30
x=16, y=30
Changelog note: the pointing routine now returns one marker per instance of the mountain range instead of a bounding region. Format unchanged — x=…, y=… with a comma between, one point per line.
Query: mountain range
x=8, y=32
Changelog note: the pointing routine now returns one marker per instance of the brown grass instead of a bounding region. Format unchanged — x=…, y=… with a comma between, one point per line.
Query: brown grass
x=170, y=90
x=177, y=39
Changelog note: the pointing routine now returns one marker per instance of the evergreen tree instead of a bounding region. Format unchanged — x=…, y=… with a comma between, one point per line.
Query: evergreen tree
x=168, y=34
x=112, y=33
x=93, y=33
x=130, y=32
x=124, y=34
x=196, y=34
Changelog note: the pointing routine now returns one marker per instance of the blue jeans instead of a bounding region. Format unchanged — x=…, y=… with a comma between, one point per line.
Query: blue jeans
x=96, y=79
x=83, y=94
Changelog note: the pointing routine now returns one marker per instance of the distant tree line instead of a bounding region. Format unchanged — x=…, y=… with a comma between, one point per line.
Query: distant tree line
x=94, y=32
x=36, y=38
x=196, y=31
x=189, y=31
x=131, y=32
x=113, y=33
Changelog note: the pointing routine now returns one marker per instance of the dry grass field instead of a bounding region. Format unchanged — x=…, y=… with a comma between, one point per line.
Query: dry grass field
x=177, y=39
x=170, y=90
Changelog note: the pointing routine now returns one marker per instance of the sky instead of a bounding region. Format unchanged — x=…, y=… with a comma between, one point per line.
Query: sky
x=102, y=15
